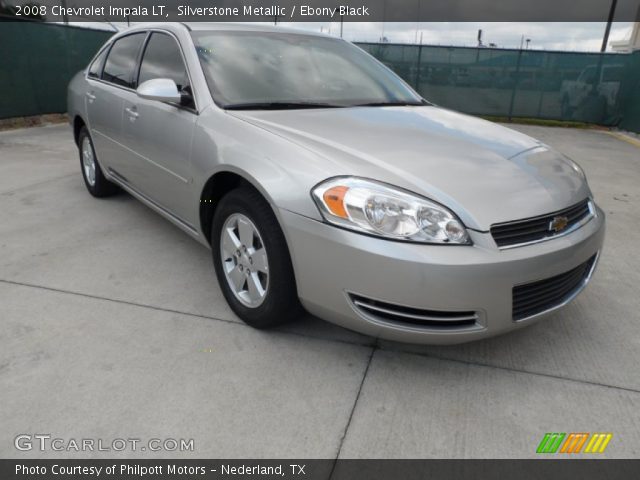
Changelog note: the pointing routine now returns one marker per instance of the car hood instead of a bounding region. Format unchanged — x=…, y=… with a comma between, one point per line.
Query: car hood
x=484, y=172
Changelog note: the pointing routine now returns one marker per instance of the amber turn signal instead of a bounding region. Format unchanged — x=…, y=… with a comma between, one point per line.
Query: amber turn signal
x=334, y=200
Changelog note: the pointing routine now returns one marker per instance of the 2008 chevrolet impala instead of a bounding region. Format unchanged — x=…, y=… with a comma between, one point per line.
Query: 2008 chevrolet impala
x=321, y=180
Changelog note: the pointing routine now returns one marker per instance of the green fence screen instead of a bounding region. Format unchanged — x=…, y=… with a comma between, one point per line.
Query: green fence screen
x=584, y=87
x=630, y=96
x=37, y=61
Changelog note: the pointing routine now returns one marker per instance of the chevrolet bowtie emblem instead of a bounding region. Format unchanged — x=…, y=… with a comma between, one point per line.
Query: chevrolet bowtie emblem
x=558, y=223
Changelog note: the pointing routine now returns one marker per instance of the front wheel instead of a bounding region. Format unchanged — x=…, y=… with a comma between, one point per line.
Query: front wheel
x=252, y=261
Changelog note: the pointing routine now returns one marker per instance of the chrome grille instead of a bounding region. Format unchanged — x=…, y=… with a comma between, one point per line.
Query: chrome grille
x=537, y=229
x=414, y=316
x=533, y=298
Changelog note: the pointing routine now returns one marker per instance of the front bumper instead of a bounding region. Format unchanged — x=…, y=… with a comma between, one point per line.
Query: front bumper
x=332, y=264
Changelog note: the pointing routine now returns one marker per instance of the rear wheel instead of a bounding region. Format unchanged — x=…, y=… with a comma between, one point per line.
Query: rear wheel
x=94, y=179
x=252, y=261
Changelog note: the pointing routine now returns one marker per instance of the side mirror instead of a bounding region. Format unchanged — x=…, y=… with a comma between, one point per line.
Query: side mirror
x=160, y=89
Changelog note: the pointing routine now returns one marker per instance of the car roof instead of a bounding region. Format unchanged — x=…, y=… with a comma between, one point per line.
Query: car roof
x=244, y=27
x=219, y=27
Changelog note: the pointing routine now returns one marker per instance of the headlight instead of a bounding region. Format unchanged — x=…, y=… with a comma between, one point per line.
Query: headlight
x=374, y=208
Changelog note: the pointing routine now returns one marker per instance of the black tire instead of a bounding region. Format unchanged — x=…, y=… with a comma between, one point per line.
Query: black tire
x=281, y=303
x=101, y=187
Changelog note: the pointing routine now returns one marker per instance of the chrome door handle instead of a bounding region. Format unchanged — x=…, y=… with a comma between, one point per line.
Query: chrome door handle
x=90, y=96
x=132, y=112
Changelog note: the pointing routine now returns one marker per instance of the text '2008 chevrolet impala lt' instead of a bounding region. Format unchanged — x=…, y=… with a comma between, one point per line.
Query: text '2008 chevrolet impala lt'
x=321, y=180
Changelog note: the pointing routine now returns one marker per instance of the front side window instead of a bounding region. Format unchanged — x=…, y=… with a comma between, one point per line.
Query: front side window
x=253, y=68
x=162, y=59
x=121, y=63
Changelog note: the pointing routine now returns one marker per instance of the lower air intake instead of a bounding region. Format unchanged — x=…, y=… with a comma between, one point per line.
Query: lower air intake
x=414, y=316
x=533, y=298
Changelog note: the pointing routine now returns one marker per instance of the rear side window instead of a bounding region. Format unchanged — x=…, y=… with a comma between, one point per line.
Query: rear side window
x=96, y=66
x=121, y=63
x=162, y=59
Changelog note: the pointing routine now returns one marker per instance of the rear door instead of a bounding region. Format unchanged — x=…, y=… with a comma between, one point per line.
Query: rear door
x=160, y=133
x=110, y=78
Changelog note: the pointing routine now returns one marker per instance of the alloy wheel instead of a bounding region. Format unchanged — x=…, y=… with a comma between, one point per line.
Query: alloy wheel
x=244, y=260
x=88, y=161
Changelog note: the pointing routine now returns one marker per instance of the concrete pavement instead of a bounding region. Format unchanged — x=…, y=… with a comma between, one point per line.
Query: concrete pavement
x=113, y=326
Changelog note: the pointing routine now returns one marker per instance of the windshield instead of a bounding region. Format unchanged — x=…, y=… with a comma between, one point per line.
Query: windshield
x=283, y=70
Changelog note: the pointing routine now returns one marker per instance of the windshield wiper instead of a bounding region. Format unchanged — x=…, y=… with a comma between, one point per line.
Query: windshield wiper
x=280, y=105
x=392, y=104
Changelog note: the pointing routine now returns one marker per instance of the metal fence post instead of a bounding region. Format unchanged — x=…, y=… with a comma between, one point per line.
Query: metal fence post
x=417, y=82
x=515, y=85
x=541, y=98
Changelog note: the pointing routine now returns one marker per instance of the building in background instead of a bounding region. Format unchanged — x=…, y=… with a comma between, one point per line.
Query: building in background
x=629, y=45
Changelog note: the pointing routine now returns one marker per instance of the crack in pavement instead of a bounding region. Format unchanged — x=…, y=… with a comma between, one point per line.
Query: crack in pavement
x=37, y=184
x=375, y=347
x=177, y=312
x=353, y=409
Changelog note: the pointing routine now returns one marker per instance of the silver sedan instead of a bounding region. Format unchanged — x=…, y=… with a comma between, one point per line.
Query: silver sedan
x=321, y=181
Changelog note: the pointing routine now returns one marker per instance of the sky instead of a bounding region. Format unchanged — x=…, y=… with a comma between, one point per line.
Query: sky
x=571, y=36
x=547, y=36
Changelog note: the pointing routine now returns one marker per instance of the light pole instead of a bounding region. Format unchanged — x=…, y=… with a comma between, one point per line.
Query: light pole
x=607, y=30
x=384, y=17
x=418, y=23
x=65, y=16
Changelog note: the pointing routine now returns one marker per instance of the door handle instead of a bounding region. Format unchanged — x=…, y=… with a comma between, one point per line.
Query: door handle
x=90, y=96
x=132, y=113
